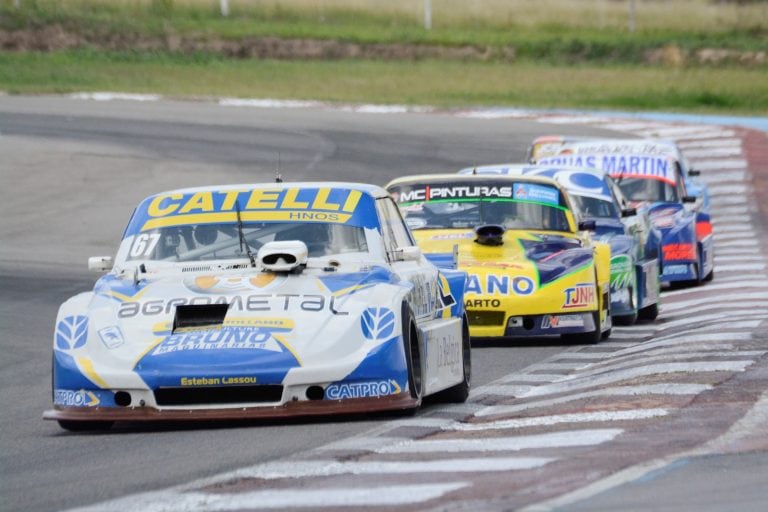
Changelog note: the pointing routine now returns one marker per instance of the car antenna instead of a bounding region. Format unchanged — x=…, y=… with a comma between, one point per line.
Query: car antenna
x=241, y=233
x=278, y=176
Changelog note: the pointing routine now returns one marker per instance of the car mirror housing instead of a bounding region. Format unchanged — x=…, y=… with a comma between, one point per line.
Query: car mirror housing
x=689, y=199
x=100, y=263
x=694, y=172
x=408, y=253
x=587, y=225
x=629, y=212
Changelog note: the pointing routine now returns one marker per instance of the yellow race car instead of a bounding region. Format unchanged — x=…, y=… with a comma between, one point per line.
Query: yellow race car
x=532, y=271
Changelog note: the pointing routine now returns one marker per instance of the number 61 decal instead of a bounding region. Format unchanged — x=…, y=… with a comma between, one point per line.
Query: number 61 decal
x=144, y=244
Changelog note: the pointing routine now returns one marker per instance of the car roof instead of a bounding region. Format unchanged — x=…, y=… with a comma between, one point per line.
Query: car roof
x=372, y=190
x=523, y=169
x=612, y=145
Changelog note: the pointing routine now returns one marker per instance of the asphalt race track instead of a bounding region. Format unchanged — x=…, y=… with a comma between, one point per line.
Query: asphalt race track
x=669, y=415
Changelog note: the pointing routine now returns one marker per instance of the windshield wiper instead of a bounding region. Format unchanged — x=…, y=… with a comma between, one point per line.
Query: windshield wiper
x=241, y=234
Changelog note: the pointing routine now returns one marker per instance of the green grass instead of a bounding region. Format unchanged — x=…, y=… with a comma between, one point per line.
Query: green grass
x=554, y=30
x=429, y=82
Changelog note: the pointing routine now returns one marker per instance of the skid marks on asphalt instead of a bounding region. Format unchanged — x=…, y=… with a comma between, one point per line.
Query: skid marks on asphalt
x=580, y=417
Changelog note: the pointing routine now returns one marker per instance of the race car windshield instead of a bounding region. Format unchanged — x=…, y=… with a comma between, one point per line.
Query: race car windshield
x=222, y=241
x=647, y=189
x=514, y=206
x=595, y=207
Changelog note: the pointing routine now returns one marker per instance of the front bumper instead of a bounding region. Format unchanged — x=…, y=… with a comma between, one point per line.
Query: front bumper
x=304, y=408
x=534, y=325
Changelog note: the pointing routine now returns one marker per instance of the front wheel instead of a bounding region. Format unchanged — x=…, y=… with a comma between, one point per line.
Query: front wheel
x=586, y=338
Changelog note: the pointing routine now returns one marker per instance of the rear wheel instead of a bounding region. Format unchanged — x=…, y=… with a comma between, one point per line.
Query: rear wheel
x=460, y=392
x=85, y=426
x=649, y=312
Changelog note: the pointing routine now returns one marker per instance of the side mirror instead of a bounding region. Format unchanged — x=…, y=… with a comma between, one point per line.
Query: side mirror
x=587, y=225
x=100, y=263
x=408, y=253
x=689, y=199
x=694, y=172
x=629, y=212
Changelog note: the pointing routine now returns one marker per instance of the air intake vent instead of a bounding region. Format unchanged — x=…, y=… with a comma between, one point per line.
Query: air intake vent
x=219, y=395
x=199, y=315
x=485, y=318
x=212, y=268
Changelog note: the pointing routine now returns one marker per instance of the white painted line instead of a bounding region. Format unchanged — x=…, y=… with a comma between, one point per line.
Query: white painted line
x=360, y=444
x=673, y=389
x=742, y=209
x=737, y=285
x=283, y=498
x=726, y=220
x=708, y=144
x=267, y=103
x=730, y=188
x=713, y=151
x=645, y=359
x=727, y=237
x=634, y=373
x=571, y=120
x=533, y=377
x=566, y=439
x=734, y=319
x=580, y=417
x=719, y=305
x=494, y=114
x=718, y=201
x=627, y=335
x=731, y=176
x=585, y=355
x=728, y=298
x=722, y=134
x=556, y=366
x=750, y=258
x=630, y=126
x=687, y=338
x=330, y=467
x=500, y=390
x=739, y=268
x=113, y=96
x=723, y=164
x=680, y=132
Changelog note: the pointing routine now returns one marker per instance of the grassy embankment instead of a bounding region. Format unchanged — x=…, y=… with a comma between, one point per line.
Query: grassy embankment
x=556, y=53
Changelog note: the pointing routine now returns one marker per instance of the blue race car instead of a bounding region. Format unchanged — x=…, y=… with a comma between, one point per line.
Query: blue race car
x=649, y=172
x=634, y=241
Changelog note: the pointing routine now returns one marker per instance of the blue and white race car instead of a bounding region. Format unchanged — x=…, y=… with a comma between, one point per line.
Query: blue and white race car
x=647, y=173
x=260, y=301
x=634, y=241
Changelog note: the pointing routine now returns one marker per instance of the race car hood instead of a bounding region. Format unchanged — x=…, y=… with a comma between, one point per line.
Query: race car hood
x=263, y=322
x=534, y=258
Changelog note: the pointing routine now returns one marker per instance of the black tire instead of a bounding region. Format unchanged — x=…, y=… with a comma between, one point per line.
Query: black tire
x=649, y=312
x=625, y=319
x=709, y=277
x=586, y=338
x=412, y=353
x=85, y=426
x=459, y=393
